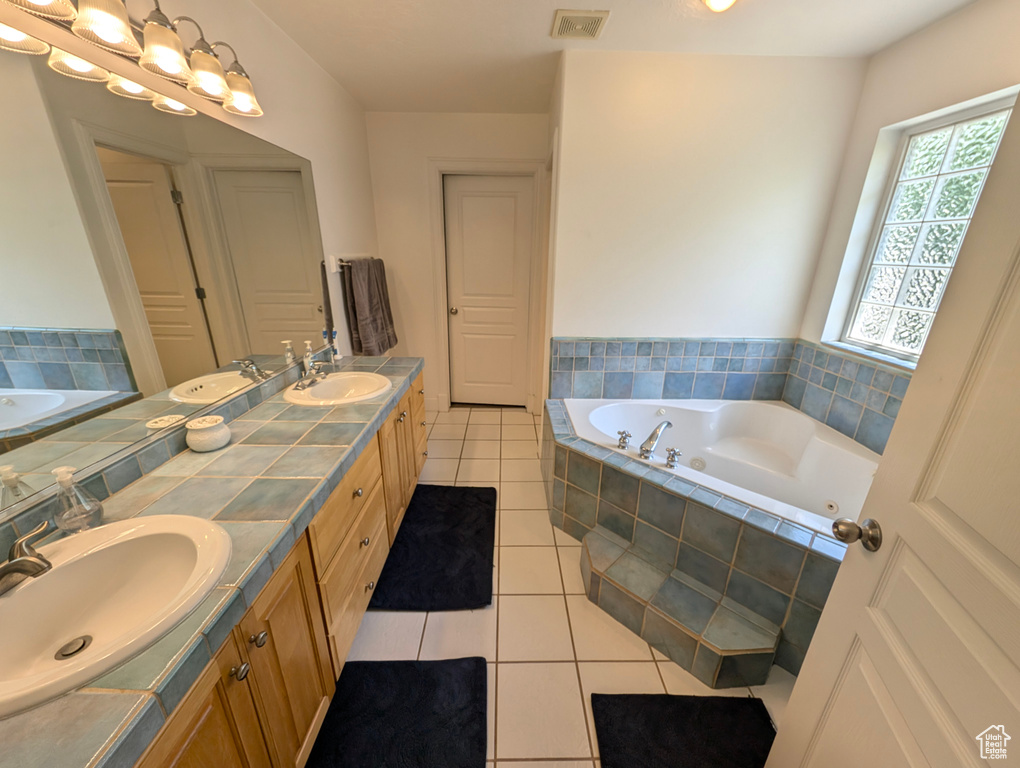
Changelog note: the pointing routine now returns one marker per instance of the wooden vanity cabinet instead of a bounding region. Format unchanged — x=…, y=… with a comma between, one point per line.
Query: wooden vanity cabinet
x=216, y=724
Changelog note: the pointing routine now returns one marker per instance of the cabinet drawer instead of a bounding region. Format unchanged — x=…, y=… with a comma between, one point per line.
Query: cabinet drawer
x=348, y=619
x=334, y=520
x=341, y=577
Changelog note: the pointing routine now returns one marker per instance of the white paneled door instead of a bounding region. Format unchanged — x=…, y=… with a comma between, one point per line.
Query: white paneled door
x=916, y=659
x=489, y=240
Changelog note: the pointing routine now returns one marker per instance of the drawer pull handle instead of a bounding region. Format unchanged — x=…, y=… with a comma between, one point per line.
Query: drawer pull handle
x=421, y=391
x=370, y=586
x=241, y=672
x=423, y=423
x=403, y=415
x=260, y=639
x=366, y=541
x=425, y=453
x=360, y=492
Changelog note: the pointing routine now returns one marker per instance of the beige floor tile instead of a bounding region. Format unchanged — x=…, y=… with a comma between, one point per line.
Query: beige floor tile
x=439, y=470
x=776, y=692
x=529, y=571
x=445, y=449
x=523, y=496
x=680, y=682
x=388, y=636
x=518, y=417
x=481, y=449
x=539, y=713
x=519, y=432
x=479, y=470
x=545, y=764
x=521, y=470
x=534, y=628
x=490, y=748
x=456, y=634
x=448, y=432
x=616, y=677
x=525, y=528
x=600, y=637
x=519, y=449
x=484, y=417
x=454, y=416
x=483, y=432
x=564, y=539
x=430, y=417
x=570, y=567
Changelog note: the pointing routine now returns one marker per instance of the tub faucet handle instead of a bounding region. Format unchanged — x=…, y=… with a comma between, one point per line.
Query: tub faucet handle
x=625, y=437
x=672, y=454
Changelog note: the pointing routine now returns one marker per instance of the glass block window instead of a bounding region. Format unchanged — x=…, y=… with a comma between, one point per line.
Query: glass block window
x=936, y=190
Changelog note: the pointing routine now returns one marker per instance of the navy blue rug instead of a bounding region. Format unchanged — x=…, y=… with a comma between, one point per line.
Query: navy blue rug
x=660, y=731
x=405, y=714
x=441, y=559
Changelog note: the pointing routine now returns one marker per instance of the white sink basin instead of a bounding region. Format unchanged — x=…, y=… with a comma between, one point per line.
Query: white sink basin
x=209, y=389
x=124, y=585
x=340, y=389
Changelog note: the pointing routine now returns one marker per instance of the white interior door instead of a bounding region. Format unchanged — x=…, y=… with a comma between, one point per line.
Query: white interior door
x=915, y=659
x=489, y=239
x=151, y=227
x=269, y=237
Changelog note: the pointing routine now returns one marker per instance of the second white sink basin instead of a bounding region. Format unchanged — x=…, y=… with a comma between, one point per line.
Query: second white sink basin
x=340, y=389
x=111, y=593
x=209, y=389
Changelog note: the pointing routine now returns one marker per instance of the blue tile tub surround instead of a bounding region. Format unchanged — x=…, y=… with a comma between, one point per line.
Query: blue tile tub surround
x=765, y=564
x=857, y=398
x=272, y=495
x=64, y=358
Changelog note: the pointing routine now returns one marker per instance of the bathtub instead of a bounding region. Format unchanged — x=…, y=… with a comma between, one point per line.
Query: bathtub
x=763, y=454
x=21, y=407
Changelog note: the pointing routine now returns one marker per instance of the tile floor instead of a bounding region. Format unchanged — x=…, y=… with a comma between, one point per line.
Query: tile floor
x=548, y=648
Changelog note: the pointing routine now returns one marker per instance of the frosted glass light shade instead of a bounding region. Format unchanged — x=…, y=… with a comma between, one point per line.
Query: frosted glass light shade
x=105, y=23
x=61, y=10
x=129, y=89
x=66, y=64
x=242, y=99
x=719, y=5
x=209, y=81
x=15, y=40
x=164, y=54
x=172, y=106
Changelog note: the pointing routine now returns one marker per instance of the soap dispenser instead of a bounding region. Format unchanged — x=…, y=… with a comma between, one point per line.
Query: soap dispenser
x=288, y=352
x=14, y=489
x=79, y=509
x=309, y=357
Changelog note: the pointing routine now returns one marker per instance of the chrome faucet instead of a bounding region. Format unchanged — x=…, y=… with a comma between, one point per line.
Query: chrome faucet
x=625, y=437
x=314, y=376
x=23, y=562
x=648, y=446
x=251, y=371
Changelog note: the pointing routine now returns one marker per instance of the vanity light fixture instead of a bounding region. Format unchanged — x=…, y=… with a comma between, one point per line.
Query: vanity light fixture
x=129, y=89
x=61, y=10
x=209, y=79
x=105, y=23
x=172, y=106
x=15, y=40
x=66, y=64
x=242, y=99
x=719, y=5
x=164, y=52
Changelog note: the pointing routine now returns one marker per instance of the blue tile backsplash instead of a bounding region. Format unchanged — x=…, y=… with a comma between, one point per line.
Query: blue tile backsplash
x=63, y=358
x=857, y=398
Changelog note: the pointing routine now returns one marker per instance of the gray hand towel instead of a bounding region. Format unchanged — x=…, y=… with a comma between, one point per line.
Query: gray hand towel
x=367, y=305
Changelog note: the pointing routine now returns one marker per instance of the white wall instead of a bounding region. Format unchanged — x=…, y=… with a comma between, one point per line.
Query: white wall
x=49, y=275
x=964, y=56
x=401, y=146
x=693, y=190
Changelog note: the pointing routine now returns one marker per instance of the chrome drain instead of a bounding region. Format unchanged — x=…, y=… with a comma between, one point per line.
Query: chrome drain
x=73, y=648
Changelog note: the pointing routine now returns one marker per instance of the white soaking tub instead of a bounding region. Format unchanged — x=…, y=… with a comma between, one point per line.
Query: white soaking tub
x=21, y=407
x=764, y=454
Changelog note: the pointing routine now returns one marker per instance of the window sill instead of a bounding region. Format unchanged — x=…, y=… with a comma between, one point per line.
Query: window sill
x=871, y=356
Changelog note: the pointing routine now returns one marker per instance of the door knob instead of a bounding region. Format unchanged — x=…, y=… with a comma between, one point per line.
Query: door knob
x=454, y=310
x=848, y=531
x=260, y=639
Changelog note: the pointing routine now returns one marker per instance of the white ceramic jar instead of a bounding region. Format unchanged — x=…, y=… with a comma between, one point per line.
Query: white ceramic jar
x=208, y=433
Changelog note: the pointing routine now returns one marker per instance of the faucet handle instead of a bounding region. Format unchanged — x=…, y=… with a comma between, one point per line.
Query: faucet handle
x=625, y=437
x=23, y=546
x=672, y=454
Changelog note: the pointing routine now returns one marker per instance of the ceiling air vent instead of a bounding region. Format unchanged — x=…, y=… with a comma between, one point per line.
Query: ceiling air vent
x=579, y=25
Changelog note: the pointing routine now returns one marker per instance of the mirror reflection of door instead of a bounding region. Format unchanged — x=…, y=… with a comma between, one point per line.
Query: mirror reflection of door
x=150, y=224
x=269, y=237
x=489, y=236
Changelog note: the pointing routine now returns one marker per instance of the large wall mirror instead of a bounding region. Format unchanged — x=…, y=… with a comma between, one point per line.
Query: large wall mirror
x=142, y=253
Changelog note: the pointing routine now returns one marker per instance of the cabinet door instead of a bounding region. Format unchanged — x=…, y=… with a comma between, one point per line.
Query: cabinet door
x=418, y=425
x=215, y=724
x=290, y=665
x=393, y=483
x=406, y=447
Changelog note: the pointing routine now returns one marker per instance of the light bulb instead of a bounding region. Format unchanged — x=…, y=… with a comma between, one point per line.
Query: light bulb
x=78, y=65
x=172, y=106
x=168, y=61
x=12, y=35
x=719, y=5
x=61, y=10
x=16, y=41
x=105, y=23
x=66, y=64
x=130, y=87
x=105, y=28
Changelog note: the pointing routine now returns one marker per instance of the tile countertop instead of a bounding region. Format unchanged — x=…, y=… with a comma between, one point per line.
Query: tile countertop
x=264, y=488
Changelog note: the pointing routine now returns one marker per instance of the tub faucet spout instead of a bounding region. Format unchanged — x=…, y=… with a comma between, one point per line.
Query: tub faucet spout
x=648, y=446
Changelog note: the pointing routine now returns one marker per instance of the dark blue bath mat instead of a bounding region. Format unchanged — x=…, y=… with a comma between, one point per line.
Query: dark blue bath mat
x=405, y=714
x=660, y=731
x=441, y=559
